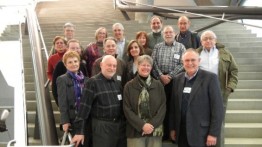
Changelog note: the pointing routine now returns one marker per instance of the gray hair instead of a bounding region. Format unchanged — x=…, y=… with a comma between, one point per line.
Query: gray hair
x=118, y=25
x=69, y=24
x=143, y=58
x=208, y=32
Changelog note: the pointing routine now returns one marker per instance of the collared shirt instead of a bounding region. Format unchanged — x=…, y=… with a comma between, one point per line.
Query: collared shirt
x=167, y=58
x=120, y=48
x=188, y=77
x=210, y=60
x=102, y=98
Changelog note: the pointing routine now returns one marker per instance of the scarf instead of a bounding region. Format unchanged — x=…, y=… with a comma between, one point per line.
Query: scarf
x=144, y=105
x=78, y=80
x=143, y=100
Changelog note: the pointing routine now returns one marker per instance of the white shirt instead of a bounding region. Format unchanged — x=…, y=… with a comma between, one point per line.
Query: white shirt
x=120, y=49
x=210, y=60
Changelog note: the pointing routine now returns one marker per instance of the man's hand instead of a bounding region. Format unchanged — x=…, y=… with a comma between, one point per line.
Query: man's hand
x=77, y=139
x=147, y=129
x=173, y=135
x=66, y=127
x=211, y=140
x=165, y=79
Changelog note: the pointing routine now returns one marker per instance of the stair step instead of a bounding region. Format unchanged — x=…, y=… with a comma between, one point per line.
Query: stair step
x=246, y=93
x=243, y=130
x=247, y=61
x=31, y=105
x=243, y=142
x=249, y=75
x=31, y=127
x=32, y=114
x=244, y=116
x=244, y=104
x=243, y=44
x=249, y=84
x=247, y=54
x=33, y=141
x=250, y=68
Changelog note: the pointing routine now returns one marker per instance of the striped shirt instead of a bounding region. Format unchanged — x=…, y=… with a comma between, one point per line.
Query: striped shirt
x=102, y=98
x=167, y=59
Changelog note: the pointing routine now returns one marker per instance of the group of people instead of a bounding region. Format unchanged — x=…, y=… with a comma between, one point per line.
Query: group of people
x=158, y=87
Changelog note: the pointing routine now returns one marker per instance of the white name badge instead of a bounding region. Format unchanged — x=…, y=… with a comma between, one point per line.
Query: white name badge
x=176, y=56
x=119, y=78
x=187, y=90
x=119, y=96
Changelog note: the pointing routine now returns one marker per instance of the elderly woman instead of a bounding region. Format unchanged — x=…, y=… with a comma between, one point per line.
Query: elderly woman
x=144, y=107
x=94, y=50
x=69, y=88
x=142, y=39
x=134, y=50
x=60, y=47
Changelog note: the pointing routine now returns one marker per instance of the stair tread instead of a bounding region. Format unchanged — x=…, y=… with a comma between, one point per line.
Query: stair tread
x=246, y=100
x=244, y=111
x=243, y=141
x=243, y=125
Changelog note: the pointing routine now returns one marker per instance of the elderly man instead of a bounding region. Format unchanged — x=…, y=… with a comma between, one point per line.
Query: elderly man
x=118, y=31
x=102, y=101
x=167, y=63
x=69, y=33
x=196, y=108
x=188, y=38
x=215, y=58
x=155, y=36
x=111, y=49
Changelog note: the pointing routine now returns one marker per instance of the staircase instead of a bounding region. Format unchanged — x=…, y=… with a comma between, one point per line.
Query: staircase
x=244, y=113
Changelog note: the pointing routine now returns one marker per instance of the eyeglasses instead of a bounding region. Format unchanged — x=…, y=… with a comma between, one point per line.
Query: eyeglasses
x=208, y=38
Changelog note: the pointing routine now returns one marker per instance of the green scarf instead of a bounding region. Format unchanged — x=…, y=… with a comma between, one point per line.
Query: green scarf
x=144, y=105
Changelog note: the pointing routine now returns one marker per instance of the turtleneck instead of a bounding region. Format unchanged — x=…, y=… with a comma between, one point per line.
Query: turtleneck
x=61, y=54
x=157, y=34
x=143, y=78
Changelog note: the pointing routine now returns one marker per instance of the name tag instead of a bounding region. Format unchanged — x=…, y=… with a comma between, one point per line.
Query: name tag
x=119, y=78
x=177, y=56
x=119, y=96
x=187, y=90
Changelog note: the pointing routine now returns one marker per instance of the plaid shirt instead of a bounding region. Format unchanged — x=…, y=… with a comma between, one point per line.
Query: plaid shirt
x=167, y=59
x=102, y=98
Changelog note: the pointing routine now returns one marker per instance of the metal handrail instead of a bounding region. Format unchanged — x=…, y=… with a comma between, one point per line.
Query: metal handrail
x=44, y=106
x=43, y=44
x=246, y=12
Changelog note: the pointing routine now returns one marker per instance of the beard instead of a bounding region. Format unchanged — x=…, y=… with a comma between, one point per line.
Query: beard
x=156, y=30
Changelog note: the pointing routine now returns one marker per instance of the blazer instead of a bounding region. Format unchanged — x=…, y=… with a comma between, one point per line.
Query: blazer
x=157, y=102
x=66, y=98
x=60, y=69
x=205, y=108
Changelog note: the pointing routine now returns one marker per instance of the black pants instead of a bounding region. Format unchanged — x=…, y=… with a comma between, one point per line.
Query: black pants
x=108, y=133
x=168, y=91
x=182, y=142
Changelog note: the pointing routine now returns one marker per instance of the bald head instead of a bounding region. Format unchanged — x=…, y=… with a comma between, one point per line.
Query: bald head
x=183, y=24
x=108, y=66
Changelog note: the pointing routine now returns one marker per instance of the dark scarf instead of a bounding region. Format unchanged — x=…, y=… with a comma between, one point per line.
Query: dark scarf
x=143, y=101
x=78, y=80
